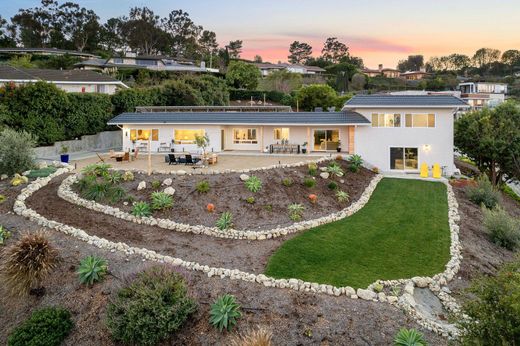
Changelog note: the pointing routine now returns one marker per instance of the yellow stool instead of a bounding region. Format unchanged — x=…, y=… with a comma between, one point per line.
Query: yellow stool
x=436, y=171
x=424, y=170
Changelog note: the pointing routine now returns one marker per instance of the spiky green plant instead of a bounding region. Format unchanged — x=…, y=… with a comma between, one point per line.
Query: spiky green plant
x=161, y=200
x=250, y=200
x=342, y=196
x=97, y=169
x=355, y=163
x=27, y=262
x=97, y=191
x=92, y=269
x=156, y=184
x=332, y=185
x=313, y=168
x=225, y=221
x=113, y=177
x=85, y=182
x=116, y=194
x=253, y=184
x=141, y=209
x=2, y=199
x=287, y=182
x=128, y=176
x=409, y=337
x=309, y=182
x=4, y=234
x=202, y=186
x=224, y=312
x=335, y=169
x=295, y=211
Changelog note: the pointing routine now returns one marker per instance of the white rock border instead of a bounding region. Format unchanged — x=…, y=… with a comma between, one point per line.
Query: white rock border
x=405, y=301
x=65, y=192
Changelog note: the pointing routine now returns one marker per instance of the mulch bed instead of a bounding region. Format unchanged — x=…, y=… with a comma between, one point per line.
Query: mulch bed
x=228, y=193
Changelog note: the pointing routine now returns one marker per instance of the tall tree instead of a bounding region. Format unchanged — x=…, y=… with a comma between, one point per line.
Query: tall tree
x=143, y=33
x=412, y=63
x=258, y=59
x=78, y=26
x=111, y=36
x=184, y=34
x=34, y=26
x=299, y=52
x=485, y=56
x=208, y=42
x=511, y=58
x=6, y=34
x=242, y=75
x=234, y=49
x=334, y=51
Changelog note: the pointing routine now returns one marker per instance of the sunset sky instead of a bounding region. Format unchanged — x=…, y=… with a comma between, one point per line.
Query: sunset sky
x=379, y=31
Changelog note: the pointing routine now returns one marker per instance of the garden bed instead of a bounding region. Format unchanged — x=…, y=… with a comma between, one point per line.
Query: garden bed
x=227, y=192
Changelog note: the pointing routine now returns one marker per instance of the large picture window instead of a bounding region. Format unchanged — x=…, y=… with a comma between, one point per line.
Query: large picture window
x=386, y=120
x=281, y=133
x=420, y=120
x=244, y=136
x=143, y=135
x=186, y=136
x=404, y=158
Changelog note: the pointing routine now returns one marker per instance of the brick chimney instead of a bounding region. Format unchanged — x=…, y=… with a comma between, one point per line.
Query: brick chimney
x=380, y=67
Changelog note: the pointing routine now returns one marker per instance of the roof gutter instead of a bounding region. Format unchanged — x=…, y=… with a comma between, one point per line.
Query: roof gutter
x=232, y=124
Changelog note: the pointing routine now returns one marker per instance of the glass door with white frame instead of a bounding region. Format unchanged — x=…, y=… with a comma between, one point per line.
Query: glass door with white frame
x=404, y=159
x=326, y=139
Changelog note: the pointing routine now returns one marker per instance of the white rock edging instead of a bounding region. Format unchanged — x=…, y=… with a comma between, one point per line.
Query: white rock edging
x=65, y=192
x=405, y=301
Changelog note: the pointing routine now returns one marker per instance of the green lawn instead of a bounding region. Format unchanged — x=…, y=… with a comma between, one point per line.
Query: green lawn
x=401, y=232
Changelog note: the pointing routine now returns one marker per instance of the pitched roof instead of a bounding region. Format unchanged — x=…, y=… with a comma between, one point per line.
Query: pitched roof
x=54, y=51
x=421, y=101
x=95, y=62
x=9, y=73
x=239, y=118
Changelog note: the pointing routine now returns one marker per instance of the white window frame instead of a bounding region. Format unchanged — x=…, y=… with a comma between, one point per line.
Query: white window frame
x=144, y=129
x=427, y=120
x=186, y=141
x=384, y=115
x=404, y=163
x=248, y=140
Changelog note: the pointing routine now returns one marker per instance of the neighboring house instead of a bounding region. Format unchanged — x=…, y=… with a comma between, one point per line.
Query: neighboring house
x=68, y=80
x=481, y=94
x=415, y=75
x=381, y=71
x=267, y=68
x=96, y=64
x=46, y=51
x=393, y=133
x=406, y=130
x=158, y=63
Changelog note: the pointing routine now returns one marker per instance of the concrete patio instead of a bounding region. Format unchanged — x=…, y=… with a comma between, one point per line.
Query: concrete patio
x=225, y=161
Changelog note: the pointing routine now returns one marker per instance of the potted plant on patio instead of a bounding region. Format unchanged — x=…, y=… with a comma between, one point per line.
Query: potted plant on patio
x=338, y=149
x=202, y=142
x=304, y=147
x=64, y=154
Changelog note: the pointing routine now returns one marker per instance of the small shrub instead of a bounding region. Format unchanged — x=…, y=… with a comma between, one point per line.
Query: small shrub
x=2, y=199
x=339, y=158
x=152, y=306
x=92, y=269
x=492, y=310
x=46, y=327
x=503, y=228
x=375, y=170
x=225, y=221
x=156, y=184
x=42, y=172
x=355, y=163
x=483, y=193
x=342, y=196
x=129, y=199
x=96, y=169
x=313, y=198
x=378, y=287
x=409, y=337
x=510, y=192
x=141, y=209
x=97, y=191
x=16, y=151
x=224, y=313
x=309, y=182
x=27, y=262
x=210, y=207
x=113, y=177
x=116, y=194
x=202, y=186
x=161, y=200
x=295, y=211
x=332, y=185
x=4, y=235
x=253, y=184
x=288, y=182
x=396, y=291
x=85, y=182
x=313, y=169
x=268, y=207
x=128, y=176
x=334, y=169
x=255, y=337
x=250, y=200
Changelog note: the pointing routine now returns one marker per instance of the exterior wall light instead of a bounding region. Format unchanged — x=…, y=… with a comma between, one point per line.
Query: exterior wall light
x=427, y=147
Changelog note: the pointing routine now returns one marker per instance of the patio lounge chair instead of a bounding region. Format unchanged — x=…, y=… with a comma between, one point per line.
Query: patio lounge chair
x=190, y=160
x=172, y=160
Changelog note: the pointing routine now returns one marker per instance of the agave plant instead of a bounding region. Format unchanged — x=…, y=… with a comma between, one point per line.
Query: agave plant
x=295, y=211
x=253, y=184
x=224, y=313
x=161, y=200
x=355, y=163
x=113, y=177
x=202, y=186
x=335, y=169
x=92, y=269
x=342, y=196
x=409, y=337
x=141, y=209
x=225, y=221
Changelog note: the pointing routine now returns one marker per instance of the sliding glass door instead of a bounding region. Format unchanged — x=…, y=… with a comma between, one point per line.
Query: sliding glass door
x=404, y=158
x=326, y=140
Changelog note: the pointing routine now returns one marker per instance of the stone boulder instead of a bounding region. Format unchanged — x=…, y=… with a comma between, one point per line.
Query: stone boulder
x=244, y=177
x=366, y=294
x=324, y=175
x=167, y=181
x=141, y=186
x=169, y=191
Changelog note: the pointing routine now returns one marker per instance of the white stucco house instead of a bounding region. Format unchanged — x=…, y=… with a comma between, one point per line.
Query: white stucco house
x=81, y=81
x=392, y=133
